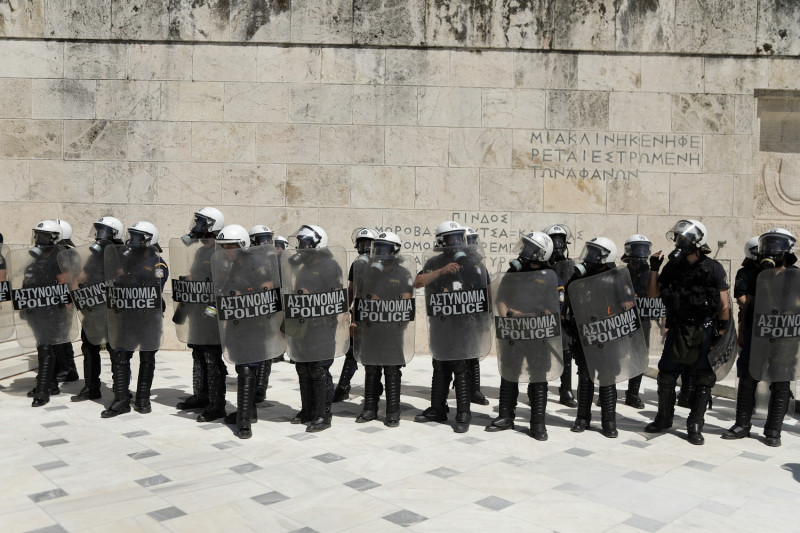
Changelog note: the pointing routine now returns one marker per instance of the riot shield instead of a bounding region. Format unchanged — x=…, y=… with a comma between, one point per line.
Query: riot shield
x=652, y=312
x=723, y=353
x=87, y=287
x=383, y=311
x=43, y=310
x=565, y=269
x=527, y=326
x=776, y=326
x=248, y=304
x=133, y=297
x=6, y=306
x=609, y=327
x=315, y=306
x=193, y=291
x=457, y=303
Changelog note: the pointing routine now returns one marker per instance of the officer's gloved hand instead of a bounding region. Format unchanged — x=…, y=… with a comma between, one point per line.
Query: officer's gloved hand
x=655, y=262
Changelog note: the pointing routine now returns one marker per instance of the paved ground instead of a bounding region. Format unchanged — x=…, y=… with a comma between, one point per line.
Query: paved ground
x=65, y=469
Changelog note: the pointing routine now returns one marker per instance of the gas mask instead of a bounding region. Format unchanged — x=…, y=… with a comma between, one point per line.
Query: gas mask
x=683, y=248
x=42, y=242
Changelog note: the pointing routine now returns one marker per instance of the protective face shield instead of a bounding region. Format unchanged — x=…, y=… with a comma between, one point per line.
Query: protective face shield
x=637, y=248
x=472, y=236
x=138, y=239
x=774, y=246
x=561, y=236
x=535, y=246
x=455, y=238
x=596, y=253
x=260, y=235
x=309, y=236
x=44, y=235
x=688, y=236
x=233, y=236
x=107, y=230
x=384, y=249
x=141, y=235
x=362, y=239
x=281, y=243
x=454, y=233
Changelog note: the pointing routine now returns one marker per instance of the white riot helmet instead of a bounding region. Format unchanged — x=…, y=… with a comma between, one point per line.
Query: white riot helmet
x=362, y=239
x=107, y=229
x=636, y=247
x=472, y=236
x=208, y=220
x=310, y=236
x=561, y=236
x=386, y=243
x=450, y=233
x=776, y=247
x=599, y=250
x=281, y=243
x=143, y=234
x=66, y=233
x=751, y=248
x=693, y=231
x=260, y=235
x=234, y=234
x=45, y=234
x=535, y=246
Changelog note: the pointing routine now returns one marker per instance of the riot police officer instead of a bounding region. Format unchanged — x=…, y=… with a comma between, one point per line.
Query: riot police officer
x=362, y=241
x=477, y=396
x=694, y=289
x=383, y=325
x=107, y=230
x=208, y=368
x=66, y=371
x=531, y=296
x=135, y=277
x=455, y=335
x=766, y=354
x=560, y=234
x=261, y=235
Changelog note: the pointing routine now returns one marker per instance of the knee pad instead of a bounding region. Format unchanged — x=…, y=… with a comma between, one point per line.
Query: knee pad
x=317, y=372
x=705, y=378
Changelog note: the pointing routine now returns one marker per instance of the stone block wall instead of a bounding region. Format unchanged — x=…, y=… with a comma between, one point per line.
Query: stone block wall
x=612, y=117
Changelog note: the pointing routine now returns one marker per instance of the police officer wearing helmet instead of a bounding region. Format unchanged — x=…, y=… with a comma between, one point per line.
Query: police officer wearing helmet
x=535, y=249
x=107, y=230
x=281, y=243
x=477, y=397
x=560, y=234
x=362, y=241
x=598, y=256
x=208, y=367
x=637, y=252
x=143, y=267
x=694, y=289
x=387, y=279
x=261, y=235
x=65, y=354
x=321, y=273
x=775, y=253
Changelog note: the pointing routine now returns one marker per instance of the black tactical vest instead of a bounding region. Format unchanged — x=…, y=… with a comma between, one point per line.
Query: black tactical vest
x=691, y=295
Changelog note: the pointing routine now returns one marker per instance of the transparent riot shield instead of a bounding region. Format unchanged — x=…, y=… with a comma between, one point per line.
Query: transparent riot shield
x=608, y=326
x=723, y=353
x=87, y=287
x=316, y=317
x=565, y=269
x=527, y=326
x=652, y=313
x=457, y=303
x=193, y=291
x=247, y=285
x=6, y=306
x=383, y=311
x=776, y=326
x=133, y=297
x=43, y=310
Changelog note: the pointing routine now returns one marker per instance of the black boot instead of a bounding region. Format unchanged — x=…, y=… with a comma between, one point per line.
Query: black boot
x=745, y=402
x=608, y=410
x=440, y=386
x=199, y=397
x=703, y=383
x=91, y=371
x=147, y=366
x=393, y=376
x=245, y=401
x=565, y=396
x=779, y=396
x=476, y=396
x=216, y=388
x=46, y=376
x=306, y=413
x=506, y=411
x=463, y=394
x=632, y=394
x=121, y=374
x=348, y=371
x=262, y=380
x=537, y=396
x=585, y=394
x=65, y=363
x=686, y=394
x=322, y=409
x=666, y=403
x=372, y=393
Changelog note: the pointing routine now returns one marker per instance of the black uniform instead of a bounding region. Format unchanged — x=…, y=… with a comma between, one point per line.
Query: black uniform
x=350, y=365
x=565, y=269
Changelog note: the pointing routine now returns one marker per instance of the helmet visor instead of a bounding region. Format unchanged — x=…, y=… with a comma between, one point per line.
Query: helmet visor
x=530, y=251
x=593, y=253
x=103, y=232
x=138, y=239
x=472, y=238
x=260, y=239
x=363, y=245
x=43, y=238
x=383, y=248
x=774, y=244
x=454, y=238
x=202, y=224
x=638, y=250
x=686, y=229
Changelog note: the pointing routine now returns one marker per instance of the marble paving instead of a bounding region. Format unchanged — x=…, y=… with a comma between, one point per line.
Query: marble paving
x=63, y=468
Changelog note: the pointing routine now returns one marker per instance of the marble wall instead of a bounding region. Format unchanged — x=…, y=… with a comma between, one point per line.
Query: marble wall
x=504, y=116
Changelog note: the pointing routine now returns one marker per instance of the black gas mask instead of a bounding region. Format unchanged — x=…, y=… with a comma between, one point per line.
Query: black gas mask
x=559, y=247
x=103, y=237
x=363, y=246
x=42, y=241
x=200, y=230
x=683, y=248
x=592, y=260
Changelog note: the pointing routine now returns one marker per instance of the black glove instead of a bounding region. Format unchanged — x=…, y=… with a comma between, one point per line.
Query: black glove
x=655, y=262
